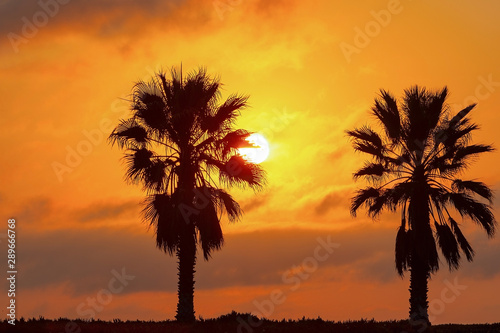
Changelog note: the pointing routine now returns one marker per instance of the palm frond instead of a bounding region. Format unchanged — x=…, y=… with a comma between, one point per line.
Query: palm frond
x=149, y=106
x=234, y=140
x=209, y=230
x=138, y=161
x=458, y=118
x=477, y=211
x=452, y=135
x=155, y=176
x=377, y=204
x=153, y=206
x=448, y=244
x=465, y=152
x=371, y=170
x=237, y=171
x=403, y=250
x=449, y=169
x=436, y=108
x=366, y=135
x=416, y=127
x=386, y=110
x=462, y=241
x=230, y=205
x=368, y=148
x=225, y=113
x=222, y=200
x=367, y=141
x=129, y=131
x=363, y=197
x=162, y=212
x=400, y=193
x=471, y=186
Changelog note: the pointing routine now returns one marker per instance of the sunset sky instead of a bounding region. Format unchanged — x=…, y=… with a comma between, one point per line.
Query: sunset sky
x=312, y=70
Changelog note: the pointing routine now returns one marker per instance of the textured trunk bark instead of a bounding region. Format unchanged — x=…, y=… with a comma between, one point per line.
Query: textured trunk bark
x=186, y=261
x=422, y=243
x=186, y=254
x=419, y=276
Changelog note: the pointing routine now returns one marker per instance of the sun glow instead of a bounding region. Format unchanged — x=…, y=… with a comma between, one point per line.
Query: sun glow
x=259, y=153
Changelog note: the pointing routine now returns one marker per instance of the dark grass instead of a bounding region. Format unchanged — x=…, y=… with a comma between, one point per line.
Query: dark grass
x=233, y=322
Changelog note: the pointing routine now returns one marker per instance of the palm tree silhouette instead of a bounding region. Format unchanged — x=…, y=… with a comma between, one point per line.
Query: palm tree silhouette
x=180, y=144
x=414, y=167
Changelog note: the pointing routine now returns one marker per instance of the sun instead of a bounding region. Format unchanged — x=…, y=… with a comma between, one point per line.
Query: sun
x=258, y=154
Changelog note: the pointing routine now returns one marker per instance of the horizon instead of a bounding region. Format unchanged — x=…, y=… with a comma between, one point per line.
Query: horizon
x=312, y=72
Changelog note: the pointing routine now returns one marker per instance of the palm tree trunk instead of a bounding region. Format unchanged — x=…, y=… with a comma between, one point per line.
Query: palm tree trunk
x=186, y=255
x=421, y=254
x=419, y=275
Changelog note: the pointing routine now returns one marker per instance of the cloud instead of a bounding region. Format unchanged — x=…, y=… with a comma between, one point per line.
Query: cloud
x=83, y=260
x=104, y=211
x=333, y=200
x=34, y=210
x=101, y=18
x=255, y=202
x=44, y=212
x=339, y=154
x=273, y=9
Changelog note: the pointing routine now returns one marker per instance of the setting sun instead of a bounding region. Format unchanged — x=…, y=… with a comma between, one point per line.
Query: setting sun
x=258, y=154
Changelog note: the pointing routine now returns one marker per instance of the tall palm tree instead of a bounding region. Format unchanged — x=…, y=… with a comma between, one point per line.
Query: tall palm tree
x=414, y=167
x=180, y=144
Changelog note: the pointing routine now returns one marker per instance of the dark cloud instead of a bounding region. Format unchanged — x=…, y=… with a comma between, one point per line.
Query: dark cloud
x=84, y=259
x=487, y=251
x=106, y=211
x=34, y=210
x=333, y=200
x=275, y=8
x=106, y=18
x=255, y=202
x=42, y=211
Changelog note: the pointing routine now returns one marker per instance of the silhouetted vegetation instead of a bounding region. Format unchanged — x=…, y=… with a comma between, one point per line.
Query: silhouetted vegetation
x=180, y=144
x=414, y=167
x=236, y=322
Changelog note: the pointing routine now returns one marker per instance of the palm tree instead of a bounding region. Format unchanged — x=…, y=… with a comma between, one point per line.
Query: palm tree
x=180, y=144
x=414, y=167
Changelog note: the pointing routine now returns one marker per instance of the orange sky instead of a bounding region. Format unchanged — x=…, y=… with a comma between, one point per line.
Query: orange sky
x=312, y=71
